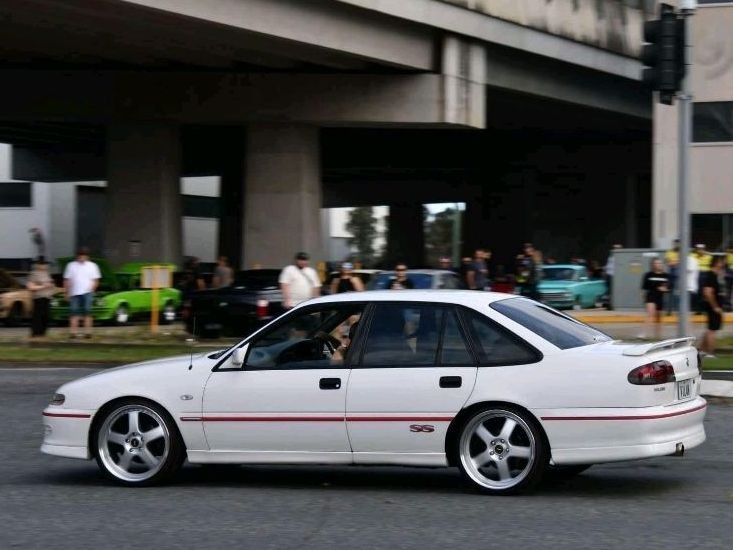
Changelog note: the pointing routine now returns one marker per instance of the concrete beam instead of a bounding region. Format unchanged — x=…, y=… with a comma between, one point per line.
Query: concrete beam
x=327, y=25
x=225, y=98
x=479, y=26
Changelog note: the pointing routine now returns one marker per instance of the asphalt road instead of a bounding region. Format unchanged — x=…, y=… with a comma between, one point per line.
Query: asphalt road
x=48, y=502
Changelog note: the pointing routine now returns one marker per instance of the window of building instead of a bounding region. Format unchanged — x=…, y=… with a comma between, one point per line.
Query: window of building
x=198, y=206
x=712, y=121
x=16, y=194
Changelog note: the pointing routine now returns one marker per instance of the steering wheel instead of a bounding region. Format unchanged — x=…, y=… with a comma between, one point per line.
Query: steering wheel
x=329, y=342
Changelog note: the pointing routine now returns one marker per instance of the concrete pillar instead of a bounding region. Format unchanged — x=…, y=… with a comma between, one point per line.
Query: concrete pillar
x=282, y=198
x=406, y=235
x=144, y=193
x=231, y=203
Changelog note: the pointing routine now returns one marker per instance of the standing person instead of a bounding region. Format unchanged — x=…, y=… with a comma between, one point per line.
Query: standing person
x=672, y=259
x=81, y=278
x=223, y=274
x=655, y=285
x=477, y=274
x=42, y=289
x=704, y=259
x=38, y=241
x=298, y=282
x=729, y=276
x=400, y=281
x=712, y=299
x=446, y=263
x=192, y=279
x=610, y=270
x=464, y=269
x=527, y=271
x=346, y=281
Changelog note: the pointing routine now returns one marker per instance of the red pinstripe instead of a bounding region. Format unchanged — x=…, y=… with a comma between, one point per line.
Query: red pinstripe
x=641, y=417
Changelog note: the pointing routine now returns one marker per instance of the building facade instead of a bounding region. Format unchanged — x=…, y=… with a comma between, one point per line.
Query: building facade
x=711, y=154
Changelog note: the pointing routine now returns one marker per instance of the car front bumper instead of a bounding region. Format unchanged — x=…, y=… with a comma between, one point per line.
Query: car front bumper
x=66, y=432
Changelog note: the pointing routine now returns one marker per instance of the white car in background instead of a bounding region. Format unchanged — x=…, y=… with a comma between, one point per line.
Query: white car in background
x=502, y=387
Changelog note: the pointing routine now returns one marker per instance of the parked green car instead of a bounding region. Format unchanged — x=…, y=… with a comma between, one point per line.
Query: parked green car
x=569, y=286
x=119, y=297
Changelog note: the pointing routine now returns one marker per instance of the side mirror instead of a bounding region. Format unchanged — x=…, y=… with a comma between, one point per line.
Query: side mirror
x=239, y=355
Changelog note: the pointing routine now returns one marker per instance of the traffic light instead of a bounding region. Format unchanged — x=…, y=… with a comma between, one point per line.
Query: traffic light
x=664, y=53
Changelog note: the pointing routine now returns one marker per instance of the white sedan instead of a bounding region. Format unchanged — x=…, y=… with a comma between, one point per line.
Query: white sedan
x=502, y=387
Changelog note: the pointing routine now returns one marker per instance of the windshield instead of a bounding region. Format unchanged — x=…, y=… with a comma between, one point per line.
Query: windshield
x=257, y=279
x=555, y=327
x=559, y=274
x=419, y=280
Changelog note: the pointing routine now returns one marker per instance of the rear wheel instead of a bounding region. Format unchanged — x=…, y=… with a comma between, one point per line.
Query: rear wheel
x=502, y=451
x=122, y=315
x=136, y=443
x=168, y=314
x=15, y=315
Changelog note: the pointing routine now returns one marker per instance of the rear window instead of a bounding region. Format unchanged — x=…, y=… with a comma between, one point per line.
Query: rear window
x=555, y=327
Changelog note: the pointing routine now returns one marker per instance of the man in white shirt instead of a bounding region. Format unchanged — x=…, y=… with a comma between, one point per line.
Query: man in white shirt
x=299, y=282
x=81, y=278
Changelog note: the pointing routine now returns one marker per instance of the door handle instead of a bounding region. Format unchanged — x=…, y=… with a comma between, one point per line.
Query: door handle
x=450, y=381
x=329, y=383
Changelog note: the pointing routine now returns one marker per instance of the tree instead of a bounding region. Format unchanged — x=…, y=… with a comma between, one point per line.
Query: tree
x=362, y=225
x=439, y=236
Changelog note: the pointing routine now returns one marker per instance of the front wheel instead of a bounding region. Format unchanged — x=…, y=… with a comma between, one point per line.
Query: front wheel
x=168, y=314
x=502, y=451
x=122, y=315
x=136, y=443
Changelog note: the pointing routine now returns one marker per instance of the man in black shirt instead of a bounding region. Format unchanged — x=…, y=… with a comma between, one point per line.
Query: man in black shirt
x=712, y=300
x=400, y=280
x=656, y=285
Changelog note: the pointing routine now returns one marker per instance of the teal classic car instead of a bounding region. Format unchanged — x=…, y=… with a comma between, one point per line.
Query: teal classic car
x=570, y=286
x=119, y=297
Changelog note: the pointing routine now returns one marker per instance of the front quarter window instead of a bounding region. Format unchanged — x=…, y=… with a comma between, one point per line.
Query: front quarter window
x=555, y=327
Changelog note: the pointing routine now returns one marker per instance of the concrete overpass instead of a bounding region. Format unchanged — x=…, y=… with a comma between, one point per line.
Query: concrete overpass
x=291, y=102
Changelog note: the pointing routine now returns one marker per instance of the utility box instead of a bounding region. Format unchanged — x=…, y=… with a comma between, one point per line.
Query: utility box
x=630, y=265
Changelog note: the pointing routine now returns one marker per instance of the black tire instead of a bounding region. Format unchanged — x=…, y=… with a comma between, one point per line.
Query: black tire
x=167, y=314
x=171, y=458
x=526, y=434
x=15, y=315
x=559, y=473
x=121, y=315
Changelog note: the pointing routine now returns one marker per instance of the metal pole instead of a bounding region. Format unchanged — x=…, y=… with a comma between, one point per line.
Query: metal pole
x=684, y=99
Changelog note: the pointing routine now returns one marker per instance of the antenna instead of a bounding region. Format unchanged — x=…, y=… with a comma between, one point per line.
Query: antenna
x=193, y=341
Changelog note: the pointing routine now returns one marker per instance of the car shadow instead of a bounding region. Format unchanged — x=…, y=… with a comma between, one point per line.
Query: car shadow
x=596, y=482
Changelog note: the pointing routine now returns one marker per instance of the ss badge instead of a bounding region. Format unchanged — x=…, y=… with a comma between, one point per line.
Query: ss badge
x=424, y=428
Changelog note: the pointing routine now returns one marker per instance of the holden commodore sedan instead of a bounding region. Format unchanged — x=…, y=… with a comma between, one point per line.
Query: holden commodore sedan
x=502, y=387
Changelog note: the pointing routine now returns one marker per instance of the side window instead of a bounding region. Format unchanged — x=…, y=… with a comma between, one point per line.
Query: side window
x=314, y=338
x=454, y=350
x=498, y=346
x=403, y=335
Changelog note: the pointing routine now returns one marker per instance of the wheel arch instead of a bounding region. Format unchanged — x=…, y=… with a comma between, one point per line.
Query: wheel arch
x=109, y=405
x=454, y=429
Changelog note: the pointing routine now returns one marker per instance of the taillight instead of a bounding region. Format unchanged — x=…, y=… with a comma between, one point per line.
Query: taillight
x=658, y=372
x=262, y=306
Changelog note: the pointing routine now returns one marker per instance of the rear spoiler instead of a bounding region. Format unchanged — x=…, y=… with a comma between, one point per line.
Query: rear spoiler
x=643, y=349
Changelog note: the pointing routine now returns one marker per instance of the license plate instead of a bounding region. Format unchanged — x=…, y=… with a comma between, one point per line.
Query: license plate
x=684, y=389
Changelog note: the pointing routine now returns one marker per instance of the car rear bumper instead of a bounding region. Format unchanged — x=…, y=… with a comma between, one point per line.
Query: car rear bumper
x=589, y=436
x=66, y=432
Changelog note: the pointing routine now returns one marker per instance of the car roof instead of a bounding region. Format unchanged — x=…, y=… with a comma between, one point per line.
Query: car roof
x=464, y=297
x=422, y=271
x=563, y=266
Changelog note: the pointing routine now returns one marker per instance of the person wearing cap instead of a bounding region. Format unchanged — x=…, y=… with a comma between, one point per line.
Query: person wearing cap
x=346, y=281
x=298, y=282
x=672, y=259
x=81, y=278
x=729, y=275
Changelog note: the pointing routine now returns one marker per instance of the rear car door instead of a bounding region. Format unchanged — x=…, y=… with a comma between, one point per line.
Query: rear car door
x=414, y=374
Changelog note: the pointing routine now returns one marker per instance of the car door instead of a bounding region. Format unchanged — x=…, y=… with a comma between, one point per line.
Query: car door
x=288, y=400
x=414, y=374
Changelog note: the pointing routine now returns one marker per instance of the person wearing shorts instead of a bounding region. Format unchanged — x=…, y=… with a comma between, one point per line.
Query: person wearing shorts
x=81, y=278
x=655, y=285
x=712, y=301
